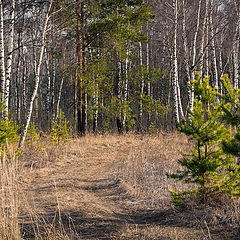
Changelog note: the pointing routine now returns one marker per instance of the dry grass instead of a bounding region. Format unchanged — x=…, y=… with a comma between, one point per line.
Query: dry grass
x=113, y=187
x=144, y=170
x=9, y=225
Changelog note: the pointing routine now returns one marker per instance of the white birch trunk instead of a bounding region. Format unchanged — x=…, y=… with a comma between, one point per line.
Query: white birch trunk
x=235, y=65
x=59, y=96
x=2, y=53
x=23, y=136
x=185, y=44
x=48, y=97
x=148, y=61
x=214, y=55
x=119, y=95
x=181, y=114
x=52, y=99
x=18, y=105
x=120, y=82
x=221, y=61
x=175, y=63
x=125, y=95
x=202, y=52
x=141, y=83
x=9, y=59
x=19, y=74
x=207, y=49
x=95, y=102
x=24, y=69
x=149, y=87
x=220, y=55
x=53, y=85
x=61, y=84
x=235, y=51
x=194, y=53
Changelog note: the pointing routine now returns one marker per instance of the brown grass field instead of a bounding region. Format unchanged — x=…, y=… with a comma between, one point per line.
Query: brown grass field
x=107, y=187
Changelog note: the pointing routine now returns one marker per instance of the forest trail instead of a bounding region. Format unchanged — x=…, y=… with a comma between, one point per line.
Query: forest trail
x=80, y=191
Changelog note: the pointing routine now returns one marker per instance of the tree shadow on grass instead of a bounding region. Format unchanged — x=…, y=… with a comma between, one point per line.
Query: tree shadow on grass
x=74, y=223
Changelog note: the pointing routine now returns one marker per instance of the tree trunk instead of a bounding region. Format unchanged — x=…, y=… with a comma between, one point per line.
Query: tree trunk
x=78, y=80
x=207, y=49
x=194, y=53
x=235, y=51
x=202, y=52
x=82, y=61
x=175, y=64
x=119, y=95
x=149, y=89
x=54, y=75
x=61, y=84
x=214, y=55
x=141, y=87
x=48, y=94
x=95, y=115
x=24, y=73
x=9, y=59
x=186, y=50
x=17, y=81
x=2, y=53
x=23, y=136
x=125, y=92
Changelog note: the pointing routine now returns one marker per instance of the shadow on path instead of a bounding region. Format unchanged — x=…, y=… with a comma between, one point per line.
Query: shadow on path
x=78, y=226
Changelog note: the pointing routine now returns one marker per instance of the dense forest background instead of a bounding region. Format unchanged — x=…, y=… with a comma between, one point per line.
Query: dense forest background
x=113, y=65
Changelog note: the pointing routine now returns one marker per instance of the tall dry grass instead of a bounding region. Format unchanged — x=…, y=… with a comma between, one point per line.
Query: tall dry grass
x=102, y=179
x=143, y=174
x=9, y=195
x=144, y=170
x=35, y=156
x=19, y=219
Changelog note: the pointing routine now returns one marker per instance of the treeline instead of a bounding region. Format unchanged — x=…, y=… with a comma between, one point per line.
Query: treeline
x=113, y=65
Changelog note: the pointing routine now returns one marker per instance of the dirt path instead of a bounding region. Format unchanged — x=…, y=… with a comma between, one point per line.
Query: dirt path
x=79, y=191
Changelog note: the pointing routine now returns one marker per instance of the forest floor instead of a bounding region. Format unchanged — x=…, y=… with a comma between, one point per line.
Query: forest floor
x=114, y=187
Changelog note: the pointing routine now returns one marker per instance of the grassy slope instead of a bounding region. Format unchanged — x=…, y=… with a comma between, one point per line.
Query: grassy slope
x=114, y=187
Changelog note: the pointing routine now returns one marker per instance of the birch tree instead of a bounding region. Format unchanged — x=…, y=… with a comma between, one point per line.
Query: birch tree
x=213, y=45
x=37, y=78
x=61, y=83
x=194, y=54
x=2, y=53
x=235, y=51
x=48, y=94
x=9, y=57
x=203, y=47
x=175, y=83
x=125, y=91
x=141, y=85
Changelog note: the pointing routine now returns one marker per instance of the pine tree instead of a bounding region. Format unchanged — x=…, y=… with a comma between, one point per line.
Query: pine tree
x=231, y=108
x=109, y=30
x=60, y=129
x=8, y=133
x=207, y=165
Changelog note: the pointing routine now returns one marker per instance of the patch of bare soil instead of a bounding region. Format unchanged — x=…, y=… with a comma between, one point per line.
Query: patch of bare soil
x=112, y=187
